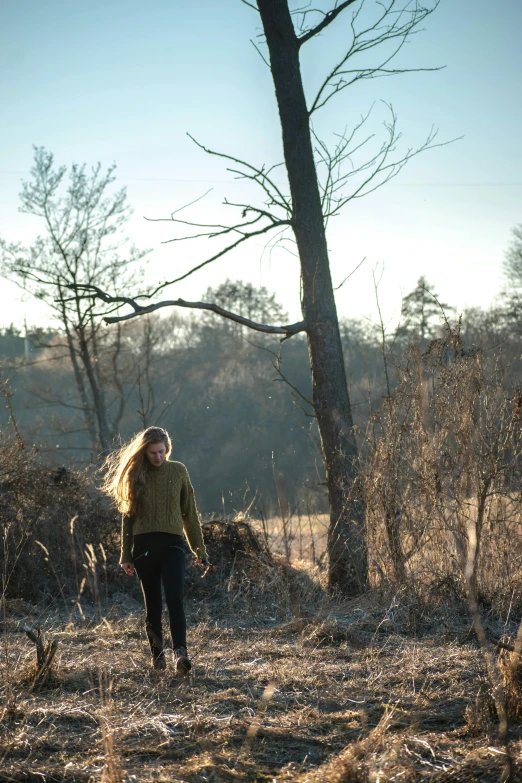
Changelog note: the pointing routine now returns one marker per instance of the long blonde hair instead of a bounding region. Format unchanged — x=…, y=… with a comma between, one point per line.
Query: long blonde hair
x=126, y=469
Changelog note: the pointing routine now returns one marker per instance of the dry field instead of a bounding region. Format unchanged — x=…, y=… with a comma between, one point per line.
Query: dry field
x=295, y=537
x=287, y=686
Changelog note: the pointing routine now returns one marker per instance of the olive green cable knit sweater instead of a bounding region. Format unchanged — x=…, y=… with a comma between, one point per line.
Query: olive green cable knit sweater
x=168, y=506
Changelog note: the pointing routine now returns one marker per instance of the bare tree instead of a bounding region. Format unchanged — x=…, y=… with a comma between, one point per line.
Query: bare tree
x=82, y=245
x=513, y=259
x=321, y=181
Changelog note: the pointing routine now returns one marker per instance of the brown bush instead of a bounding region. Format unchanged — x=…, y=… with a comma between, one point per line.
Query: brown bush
x=246, y=579
x=60, y=540
x=48, y=518
x=443, y=475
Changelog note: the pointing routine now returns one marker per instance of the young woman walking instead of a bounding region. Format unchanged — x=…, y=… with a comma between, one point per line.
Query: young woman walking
x=157, y=503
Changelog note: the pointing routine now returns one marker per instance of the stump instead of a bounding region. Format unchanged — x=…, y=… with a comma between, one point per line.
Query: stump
x=45, y=653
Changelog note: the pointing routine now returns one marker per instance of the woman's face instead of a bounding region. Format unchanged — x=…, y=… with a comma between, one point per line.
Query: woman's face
x=156, y=453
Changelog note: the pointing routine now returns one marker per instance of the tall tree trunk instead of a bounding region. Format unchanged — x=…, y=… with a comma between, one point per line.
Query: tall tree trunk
x=97, y=391
x=80, y=385
x=346, y=541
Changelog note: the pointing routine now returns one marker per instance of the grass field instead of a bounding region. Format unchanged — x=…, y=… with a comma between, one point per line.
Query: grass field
x=376, y=689
x=296, y=537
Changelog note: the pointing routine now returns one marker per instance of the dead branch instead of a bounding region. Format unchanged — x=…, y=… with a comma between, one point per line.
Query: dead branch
x=245, y=236
x=247, y=228
x=260, y=175
x=288, y=330
x=379, y=169
x=382, y=328
x=337, y=287
x=327, y=19
x=276, y=362
x=503, y=645
x=392, y=24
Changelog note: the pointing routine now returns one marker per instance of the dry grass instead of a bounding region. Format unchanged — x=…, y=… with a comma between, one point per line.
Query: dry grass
x=302, y=536
x=372, y=690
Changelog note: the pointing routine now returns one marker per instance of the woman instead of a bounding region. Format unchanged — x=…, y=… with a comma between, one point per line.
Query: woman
x=157, y=503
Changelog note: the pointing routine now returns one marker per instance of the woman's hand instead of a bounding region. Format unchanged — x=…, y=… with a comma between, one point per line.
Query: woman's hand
x=204, y=563
x=128, y=568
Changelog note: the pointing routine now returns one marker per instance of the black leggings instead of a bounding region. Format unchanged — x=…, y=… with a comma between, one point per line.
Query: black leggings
x=157, y=558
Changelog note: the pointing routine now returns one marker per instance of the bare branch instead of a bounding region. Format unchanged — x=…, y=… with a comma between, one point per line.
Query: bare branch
x=382, y=328
x=377, y=170
x=276, y=364
x=225, y=250
x=391, y=25
x=337, y=287
x=214, y=229
x=257, y=175
x=328, y=19
x=260, y=53
x=190, y=203
x=7, y=394
x=248, y=228
x=92, y=291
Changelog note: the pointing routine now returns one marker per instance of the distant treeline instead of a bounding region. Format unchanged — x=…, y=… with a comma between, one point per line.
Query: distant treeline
x=235, y=402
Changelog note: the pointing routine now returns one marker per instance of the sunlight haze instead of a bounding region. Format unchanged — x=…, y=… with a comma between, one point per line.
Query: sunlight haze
x=125, y=82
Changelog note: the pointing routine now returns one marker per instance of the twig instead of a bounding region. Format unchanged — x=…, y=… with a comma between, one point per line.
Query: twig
x=4, y=389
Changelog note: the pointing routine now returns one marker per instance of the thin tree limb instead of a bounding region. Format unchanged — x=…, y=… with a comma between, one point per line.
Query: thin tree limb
x=337, y=287
x=276, y=364
x=221, y=253
x=328, y=19
x=389, y=26
x=258, y=50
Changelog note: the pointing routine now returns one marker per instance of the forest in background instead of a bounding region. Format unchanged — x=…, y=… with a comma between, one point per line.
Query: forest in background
x=235, y=403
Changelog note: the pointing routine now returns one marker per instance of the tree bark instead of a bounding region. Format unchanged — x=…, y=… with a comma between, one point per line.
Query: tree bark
x=97, y=391
x=346, y=541
x=80, y=385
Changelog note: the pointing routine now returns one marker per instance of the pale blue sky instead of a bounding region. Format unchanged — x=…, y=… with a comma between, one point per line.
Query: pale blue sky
x=124, y=81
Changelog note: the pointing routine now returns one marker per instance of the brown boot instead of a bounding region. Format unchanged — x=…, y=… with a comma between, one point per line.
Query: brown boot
x=159, y=663
x=182, y=662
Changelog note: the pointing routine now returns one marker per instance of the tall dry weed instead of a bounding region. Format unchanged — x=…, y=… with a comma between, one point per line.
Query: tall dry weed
x=47, y=520
x=445, y=457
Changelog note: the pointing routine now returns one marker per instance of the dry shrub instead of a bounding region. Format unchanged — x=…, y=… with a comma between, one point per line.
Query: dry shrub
x=247, y=578
x=511, y=674
x=240, y=561
x=43, y=554
x=445, y=464
x=482, y=716
x=60, y=539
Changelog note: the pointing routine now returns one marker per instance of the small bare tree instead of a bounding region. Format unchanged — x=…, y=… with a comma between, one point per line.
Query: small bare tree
x=444, y=469
x=82, y=244
x=321, y=181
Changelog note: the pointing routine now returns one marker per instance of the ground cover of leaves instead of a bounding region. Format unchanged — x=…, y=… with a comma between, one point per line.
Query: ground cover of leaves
x=354, y=692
